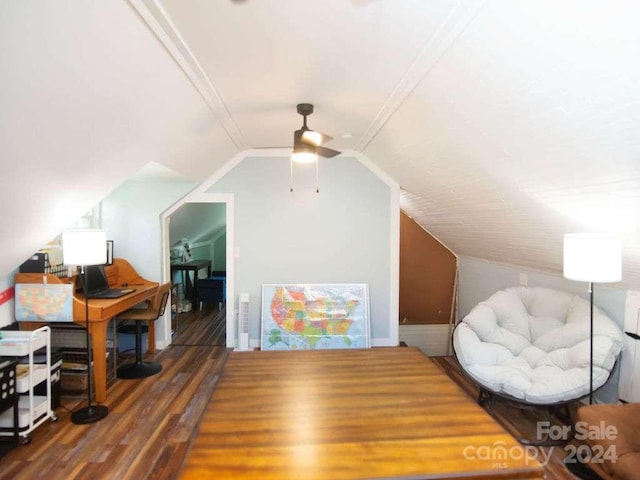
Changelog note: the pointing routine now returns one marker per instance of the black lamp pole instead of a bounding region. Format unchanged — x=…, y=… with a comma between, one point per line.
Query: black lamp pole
x=90, y=413
x=591, y=343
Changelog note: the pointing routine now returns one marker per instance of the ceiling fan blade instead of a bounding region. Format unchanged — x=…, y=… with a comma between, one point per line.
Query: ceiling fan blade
x=307, y=141
x=315, y=138
x=270, y=147
x=327, y=152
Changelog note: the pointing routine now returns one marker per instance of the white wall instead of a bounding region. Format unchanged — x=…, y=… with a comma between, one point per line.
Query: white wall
x=478, y=280
x=7, y=314
x=340, y=235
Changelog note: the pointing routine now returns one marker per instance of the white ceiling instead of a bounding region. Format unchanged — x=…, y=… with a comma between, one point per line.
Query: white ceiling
x=506, y=122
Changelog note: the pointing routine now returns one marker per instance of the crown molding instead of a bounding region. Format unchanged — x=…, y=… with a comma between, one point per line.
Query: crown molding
x=163, y=28
x=454, y=24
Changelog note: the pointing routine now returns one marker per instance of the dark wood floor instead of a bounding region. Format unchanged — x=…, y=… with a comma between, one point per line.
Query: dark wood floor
x=518, y=421
x=198, y=328
x=153, y=421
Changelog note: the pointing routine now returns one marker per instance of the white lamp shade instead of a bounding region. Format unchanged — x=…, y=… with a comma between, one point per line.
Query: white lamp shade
x=592, y=257
x=84, y=247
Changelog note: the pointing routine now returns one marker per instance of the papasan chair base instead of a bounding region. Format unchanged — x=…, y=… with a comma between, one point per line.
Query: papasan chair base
x=551, y=412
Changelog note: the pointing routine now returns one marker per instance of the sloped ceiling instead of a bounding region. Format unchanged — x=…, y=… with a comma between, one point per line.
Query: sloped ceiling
x=197, y=222
x=506, y=122
x=89, y=97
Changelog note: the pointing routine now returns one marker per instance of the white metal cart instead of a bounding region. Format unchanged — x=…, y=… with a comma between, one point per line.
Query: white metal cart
x=34, y=409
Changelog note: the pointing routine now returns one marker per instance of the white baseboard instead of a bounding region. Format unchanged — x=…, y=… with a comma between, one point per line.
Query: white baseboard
x=375, y=342
x=254, y=344
x=433, y=340
x=383, y=342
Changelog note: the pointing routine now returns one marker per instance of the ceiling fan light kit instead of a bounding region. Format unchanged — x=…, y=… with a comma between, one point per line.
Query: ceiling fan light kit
x=313, y=138
x=306, y=143
x=304, y=154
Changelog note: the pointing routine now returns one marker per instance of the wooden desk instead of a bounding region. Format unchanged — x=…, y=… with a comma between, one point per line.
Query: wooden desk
x=101, y=311
x=348, y=414
x=191, y=291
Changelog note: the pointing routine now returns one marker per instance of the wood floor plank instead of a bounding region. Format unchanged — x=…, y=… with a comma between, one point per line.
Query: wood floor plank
x=522, y=421
x=152, y=422
x=149, y=420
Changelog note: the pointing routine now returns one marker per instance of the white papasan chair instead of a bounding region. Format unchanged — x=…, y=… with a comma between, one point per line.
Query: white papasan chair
x=532, y=345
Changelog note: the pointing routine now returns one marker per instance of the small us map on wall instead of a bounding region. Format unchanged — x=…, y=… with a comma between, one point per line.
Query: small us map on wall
x=315, y=316
x=35, y=302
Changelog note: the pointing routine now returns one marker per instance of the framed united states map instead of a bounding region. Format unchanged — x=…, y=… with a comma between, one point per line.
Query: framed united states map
x=315, y=316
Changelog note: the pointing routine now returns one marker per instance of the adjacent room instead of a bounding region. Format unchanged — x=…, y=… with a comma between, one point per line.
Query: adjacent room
x=320, y=240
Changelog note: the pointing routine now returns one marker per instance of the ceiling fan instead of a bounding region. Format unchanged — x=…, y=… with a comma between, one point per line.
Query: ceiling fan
x=306, y=142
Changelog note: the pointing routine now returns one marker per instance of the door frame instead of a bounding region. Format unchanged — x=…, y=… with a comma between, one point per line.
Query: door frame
x=203, y=197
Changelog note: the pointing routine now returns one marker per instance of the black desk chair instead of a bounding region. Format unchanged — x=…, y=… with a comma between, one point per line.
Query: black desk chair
x=154, y=310
x=211, y=290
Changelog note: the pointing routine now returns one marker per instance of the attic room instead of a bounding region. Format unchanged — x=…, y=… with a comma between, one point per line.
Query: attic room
x=463, y=143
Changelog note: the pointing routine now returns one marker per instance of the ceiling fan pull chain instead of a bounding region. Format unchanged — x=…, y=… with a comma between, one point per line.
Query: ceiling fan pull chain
x=291, y=176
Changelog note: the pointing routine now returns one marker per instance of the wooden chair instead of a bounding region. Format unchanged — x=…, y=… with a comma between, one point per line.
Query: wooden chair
x=154, y=310
x=610, y=431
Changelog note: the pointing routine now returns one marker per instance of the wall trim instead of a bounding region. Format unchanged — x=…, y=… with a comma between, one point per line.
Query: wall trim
x=432, y=339
x=375, y=342
x=394, y=245
x=196, y=196
x=154, y=15
x=454, y=25
x=384, y=342
x=429, y=233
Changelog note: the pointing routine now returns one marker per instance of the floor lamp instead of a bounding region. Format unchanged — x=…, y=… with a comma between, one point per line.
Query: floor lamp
x=593, y=258
x=82, y=248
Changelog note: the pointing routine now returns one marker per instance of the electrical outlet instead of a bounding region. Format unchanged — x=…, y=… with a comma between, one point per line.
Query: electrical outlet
x=524, y=279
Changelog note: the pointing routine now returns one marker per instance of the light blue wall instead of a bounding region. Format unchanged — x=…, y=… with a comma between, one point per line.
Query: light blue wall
x=478, y=280
x=220, y=253
x=340, y=235
x=202, y=252
x=131, y=218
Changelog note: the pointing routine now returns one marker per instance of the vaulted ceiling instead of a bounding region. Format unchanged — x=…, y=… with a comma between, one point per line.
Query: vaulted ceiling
x=507, y=123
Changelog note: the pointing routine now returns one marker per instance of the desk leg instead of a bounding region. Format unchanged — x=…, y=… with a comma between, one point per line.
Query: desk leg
x=98, y=331
x=184, y=284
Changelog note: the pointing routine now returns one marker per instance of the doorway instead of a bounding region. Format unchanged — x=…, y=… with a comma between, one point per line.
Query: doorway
x=198, y=245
